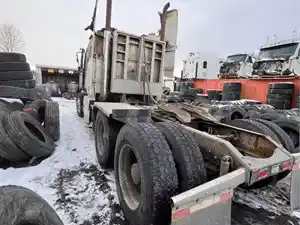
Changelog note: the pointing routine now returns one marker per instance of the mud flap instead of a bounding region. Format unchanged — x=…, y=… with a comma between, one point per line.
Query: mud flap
x=207, y=204
x=295, y=184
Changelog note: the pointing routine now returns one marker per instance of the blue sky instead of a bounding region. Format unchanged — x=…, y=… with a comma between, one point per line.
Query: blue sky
x=53, y=29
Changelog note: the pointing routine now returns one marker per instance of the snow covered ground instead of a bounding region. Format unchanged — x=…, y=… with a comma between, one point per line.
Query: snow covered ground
x=83, y=194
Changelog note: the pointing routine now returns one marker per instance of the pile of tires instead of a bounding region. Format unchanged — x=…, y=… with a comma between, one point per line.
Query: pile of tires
x=15, y=71
x=28, y=132
x=231, y=91
x=280, y=95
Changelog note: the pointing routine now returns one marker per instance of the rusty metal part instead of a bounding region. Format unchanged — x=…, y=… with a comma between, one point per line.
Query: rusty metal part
x=176, y=111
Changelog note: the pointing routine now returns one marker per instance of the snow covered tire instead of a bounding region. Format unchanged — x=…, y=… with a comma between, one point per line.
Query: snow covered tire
x=52, y=121
x=187, y=155
x=5, y=106
x=158, y=174
x=19, y=205
x=28, y=134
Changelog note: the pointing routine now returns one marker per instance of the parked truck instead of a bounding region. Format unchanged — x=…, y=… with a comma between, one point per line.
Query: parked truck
x=171, y=166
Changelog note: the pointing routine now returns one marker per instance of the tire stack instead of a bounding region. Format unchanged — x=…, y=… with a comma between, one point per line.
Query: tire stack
x=231, y=91
x=280, y=95
x=15, y=71
x=214, y=95
x=27, y=133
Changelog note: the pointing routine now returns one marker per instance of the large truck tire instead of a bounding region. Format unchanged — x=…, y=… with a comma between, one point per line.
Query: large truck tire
x=13, y=92
x=187, y=155
x=251, y=114
x=284, y=139
x=28, y=134
x=145, y=173
x=228, y=113
x=106, y=132
x=16, y=75
x=79, y=104
x=14, y=66
x=8, y=149
x=19, y=83
x=19, y=205
x=12, y=57
x=292, y=128
x=52, y=120
x=36, y=109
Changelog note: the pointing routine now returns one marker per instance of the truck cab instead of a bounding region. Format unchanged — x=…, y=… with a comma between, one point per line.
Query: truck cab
x=278, y=58
x=238, y=65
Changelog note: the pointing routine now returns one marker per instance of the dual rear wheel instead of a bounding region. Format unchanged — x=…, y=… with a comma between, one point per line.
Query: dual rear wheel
x=152, y=163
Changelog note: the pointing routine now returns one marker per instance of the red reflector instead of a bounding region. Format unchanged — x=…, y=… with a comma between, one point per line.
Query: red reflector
x=225, y=196
x=180, y=213
x=286, y=165
x=27, y=109
x=263, y=173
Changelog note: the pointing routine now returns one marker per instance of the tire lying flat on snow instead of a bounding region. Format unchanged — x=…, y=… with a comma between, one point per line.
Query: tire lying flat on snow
x=187, y=155
x=28, y=134
x=8, y=149
x=19, y=205
x=142, y=152
x=52, y=121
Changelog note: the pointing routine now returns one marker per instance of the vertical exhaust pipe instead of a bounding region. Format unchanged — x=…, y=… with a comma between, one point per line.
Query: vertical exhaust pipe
x=108, y=14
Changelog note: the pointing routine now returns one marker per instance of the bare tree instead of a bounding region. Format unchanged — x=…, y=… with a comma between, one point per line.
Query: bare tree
x=11, y=38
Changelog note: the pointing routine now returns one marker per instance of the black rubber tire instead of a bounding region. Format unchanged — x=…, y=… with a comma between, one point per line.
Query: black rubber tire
x=79, y=104
x=12, y=57
x=105, y=147
x=251, y=114
x=8, y=149
x=187, y=156
x=284, y=139
x=159, y=181
x=292, y=128
x=5, y=106
x=36, y=109
x=214, y=95
x=231, y=96
x=52, y=120
x=19, y=83
x=38, y=93
x=281, y=85
x=230, y=112
x=19, y=205
x=279, y=103
x=232, y=86
x=16, y=75
x=17, y=106
x=13, y=92
x=30, y=137
x=279, y=96
x=272, y=116
x=280, y=91
x=254, y=126
x=14, y=66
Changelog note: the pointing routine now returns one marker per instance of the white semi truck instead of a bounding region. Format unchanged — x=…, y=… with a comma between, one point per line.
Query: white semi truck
x=162, y=167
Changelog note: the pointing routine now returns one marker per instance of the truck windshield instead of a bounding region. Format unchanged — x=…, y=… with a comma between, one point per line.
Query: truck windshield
x=237, y=58
x=282, y=51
